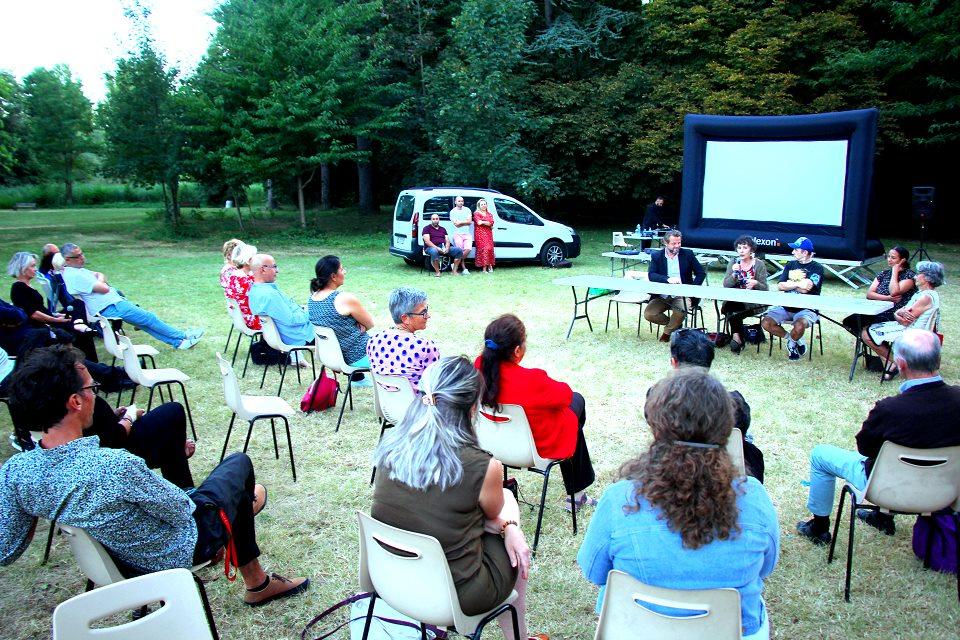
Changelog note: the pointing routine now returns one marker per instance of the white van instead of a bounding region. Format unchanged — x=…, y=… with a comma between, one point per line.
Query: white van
x=518, y=232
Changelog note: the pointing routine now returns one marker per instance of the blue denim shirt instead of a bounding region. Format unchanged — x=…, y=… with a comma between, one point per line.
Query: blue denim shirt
x=643, y=546
x=292, y=321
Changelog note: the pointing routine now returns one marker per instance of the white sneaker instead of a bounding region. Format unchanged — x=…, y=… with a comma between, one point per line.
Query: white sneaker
x=187, y=343
x=464, y=271
x=196, y=334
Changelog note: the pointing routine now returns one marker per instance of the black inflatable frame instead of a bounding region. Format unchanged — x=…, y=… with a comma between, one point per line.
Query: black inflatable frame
x=846, y=242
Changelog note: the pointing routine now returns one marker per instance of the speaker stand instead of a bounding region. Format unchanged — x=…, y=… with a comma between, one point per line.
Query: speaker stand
x=921, y=253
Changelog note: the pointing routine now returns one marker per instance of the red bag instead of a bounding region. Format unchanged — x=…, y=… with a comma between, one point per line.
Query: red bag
x=321, y=395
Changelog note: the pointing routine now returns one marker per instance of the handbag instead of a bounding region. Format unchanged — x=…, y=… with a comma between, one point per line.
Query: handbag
x=387, y=623
x=754, y=334
x=321, y=394
x=935, y=541
x=262, y=353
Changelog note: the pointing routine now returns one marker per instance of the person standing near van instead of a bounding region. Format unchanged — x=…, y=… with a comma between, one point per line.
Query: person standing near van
x=461, y=217
x=483, y=237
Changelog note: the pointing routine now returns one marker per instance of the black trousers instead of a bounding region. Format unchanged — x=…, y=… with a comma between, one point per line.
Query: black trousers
x=228, y=487
x=736, y=313
x=577, y=471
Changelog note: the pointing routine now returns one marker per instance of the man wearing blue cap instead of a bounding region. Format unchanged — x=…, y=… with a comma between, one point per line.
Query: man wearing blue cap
x=802, y=276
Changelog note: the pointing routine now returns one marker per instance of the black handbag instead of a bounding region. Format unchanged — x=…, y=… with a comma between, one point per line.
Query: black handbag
x=754, y=334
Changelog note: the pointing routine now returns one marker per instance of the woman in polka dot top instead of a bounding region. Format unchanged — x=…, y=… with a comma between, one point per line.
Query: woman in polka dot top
x=399, y=351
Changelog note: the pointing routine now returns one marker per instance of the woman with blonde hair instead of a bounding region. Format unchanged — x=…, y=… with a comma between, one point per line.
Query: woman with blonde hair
x=682, y=517
x=433, y=478
x=239, y=281
x=228, y=265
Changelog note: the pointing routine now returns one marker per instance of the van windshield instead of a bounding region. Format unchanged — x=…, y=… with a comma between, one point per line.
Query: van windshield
x=404, y=210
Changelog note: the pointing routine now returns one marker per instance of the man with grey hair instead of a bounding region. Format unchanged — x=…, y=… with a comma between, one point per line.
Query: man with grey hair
x=266, y=299
x=922, y=416
x=100, y=298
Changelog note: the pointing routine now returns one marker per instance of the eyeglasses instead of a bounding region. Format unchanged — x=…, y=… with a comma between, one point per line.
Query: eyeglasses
x=95, y=387
x=271, y=266
x=76, y=257
x=423, y=314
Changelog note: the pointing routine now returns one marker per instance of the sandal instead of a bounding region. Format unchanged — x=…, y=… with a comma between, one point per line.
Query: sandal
x=736, y=346
x=583, y=500
x=890, y=375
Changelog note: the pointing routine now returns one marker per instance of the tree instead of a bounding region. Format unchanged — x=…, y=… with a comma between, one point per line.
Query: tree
x=60, y=122
x=142, y=119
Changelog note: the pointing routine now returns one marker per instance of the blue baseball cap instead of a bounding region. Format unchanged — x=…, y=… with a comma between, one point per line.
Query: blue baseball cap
x=803, y=243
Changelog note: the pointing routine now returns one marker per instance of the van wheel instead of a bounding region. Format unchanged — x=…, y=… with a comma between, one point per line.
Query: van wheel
x=412, y=262
x=552, y=252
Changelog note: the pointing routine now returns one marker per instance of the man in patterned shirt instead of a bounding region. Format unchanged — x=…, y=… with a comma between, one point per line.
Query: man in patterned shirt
x=146, y=523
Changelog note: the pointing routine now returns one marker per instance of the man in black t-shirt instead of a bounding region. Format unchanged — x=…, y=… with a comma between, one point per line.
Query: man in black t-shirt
x=801, y=276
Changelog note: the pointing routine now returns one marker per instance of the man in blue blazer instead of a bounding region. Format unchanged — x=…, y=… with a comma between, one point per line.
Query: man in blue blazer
x=672, y=265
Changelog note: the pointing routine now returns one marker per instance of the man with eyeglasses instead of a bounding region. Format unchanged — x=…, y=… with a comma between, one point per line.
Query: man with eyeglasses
x=100, y=298
x=145, y=522
x=266, y=299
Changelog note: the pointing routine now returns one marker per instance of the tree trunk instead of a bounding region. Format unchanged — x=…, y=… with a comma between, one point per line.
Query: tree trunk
x=303, y=213
x=166, y=202
x=548, y=12
x=175, y=198
x=239, y=211
x=325, y=185
x=68, y=182
x=365, y=177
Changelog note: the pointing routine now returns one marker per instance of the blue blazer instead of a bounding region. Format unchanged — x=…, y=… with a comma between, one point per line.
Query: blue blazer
x=691, y=271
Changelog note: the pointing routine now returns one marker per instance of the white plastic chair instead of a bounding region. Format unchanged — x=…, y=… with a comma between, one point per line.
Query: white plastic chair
x=700, y=614
x=619, y=242
x=392, y=396
x=904, y=481
x=154, y=378
x=253, y=408
x=331, y=357
x=506, y=435
x=417, y=580
x=735, y=450
x=627, y=297
x=236, y=318
x=184, y=614
x=110, y=343
x=272, y=336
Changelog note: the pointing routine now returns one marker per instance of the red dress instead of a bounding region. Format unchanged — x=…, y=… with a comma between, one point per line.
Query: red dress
x=483, y=240
x=238, y=288
x=546, y=403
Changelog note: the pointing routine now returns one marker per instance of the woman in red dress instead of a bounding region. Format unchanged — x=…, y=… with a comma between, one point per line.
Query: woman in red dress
x=555, y=412
x=483, y=238
x=239, y=281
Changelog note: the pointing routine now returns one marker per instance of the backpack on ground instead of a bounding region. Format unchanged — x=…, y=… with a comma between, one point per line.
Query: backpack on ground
x=935, y=541
x=321, y=395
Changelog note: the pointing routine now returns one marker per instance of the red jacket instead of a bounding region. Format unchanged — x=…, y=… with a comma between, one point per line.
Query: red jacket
x=546, y=403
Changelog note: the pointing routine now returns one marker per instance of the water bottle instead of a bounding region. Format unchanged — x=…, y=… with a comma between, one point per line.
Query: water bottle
x=638, y=230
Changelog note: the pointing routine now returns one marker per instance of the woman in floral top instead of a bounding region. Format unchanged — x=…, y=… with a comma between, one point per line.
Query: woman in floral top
x=239, y=281
x=398, y=351
x=228, y=267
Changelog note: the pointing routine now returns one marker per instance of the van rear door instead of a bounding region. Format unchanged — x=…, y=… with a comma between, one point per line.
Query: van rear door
x=404, y=237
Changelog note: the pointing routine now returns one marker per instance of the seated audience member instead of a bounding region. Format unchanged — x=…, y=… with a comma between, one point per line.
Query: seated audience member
x=266, y=299
x=23, y=268
x=436, y=243
x=99, y=297
x=672, y=265
x=433, y=478
x=228, y=264
x=746, y=272
x=555, y=412
x=893, y=285
x=159, y=436
x=923, y=416
x=340, y=311
x=46, y=258
x=692, y=348
x=51, y=267
x=802, y=275
x=398, y=351
x=146, y=523
x=239, y=281
x=921, y=312
x=668, y=526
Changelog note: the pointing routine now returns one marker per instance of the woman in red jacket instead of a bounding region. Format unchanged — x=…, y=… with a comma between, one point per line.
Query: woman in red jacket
x=555, y=412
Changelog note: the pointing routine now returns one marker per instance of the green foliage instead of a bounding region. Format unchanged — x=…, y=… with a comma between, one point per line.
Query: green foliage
x=60, y=123
x=93, y=193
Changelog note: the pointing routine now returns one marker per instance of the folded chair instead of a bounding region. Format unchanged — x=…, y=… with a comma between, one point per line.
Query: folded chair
x=331, y=357
x=903, y=481
x=506, y=435
x=409, y=571
x=154, y=379
x=237, y=322
x=392, y=396
x=694, y=614
x=185, y=612
x=253, y=408
x=272, y=336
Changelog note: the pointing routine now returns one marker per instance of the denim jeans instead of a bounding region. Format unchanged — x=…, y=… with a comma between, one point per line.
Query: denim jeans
x=827, y=463
x=455, y=253
x=145, y=320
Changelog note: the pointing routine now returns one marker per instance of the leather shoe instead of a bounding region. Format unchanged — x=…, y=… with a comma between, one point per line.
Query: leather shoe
x=664, y=337
x=880, y=521
x=806, y=530
x=277, y=587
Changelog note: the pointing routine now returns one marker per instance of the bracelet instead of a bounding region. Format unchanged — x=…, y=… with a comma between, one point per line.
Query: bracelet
x=129, y=421
x=503, y=527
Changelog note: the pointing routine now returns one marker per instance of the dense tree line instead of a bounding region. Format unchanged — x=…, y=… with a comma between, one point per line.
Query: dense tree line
x=570, y=101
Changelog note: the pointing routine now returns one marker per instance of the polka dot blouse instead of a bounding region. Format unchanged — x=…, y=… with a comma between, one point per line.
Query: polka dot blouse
x=399, y=353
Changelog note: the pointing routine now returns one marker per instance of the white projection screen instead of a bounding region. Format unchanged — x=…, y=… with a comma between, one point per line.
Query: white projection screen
x=782, y=181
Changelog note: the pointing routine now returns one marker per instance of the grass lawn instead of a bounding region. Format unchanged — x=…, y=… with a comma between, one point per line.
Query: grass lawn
x=310, y=527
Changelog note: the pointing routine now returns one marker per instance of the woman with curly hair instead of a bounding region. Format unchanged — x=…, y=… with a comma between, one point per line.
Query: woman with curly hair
x=681, y=517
